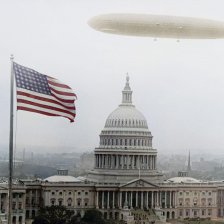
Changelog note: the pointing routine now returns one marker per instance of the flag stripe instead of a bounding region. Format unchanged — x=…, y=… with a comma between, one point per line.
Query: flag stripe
x=44, y=102
x=21, y=94
x=61, y=89
x=45, y=110
x=57, y=84
x=42, y=112
x=62, y=100
x=45, y=106
x=62, y=93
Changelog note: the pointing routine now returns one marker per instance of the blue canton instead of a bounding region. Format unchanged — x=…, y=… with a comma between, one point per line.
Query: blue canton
x=29, y=79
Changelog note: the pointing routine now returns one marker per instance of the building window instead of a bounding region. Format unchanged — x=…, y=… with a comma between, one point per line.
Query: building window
x=203, y=212
x=86, y=204
x=86, y=193
x=79, y=193
x=69, y=202
x=209, y=212
x=13, y=205
x=60, y=202
x=20, y=205
x=52, y=201
x=53, y=193
x=210, y=193
x=181, y=213
x=20, y=219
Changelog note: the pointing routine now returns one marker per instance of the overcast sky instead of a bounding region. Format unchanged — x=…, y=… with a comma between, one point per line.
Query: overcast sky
x=178, y=86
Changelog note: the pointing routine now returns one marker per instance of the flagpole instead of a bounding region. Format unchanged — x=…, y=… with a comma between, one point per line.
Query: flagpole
x=11, y=144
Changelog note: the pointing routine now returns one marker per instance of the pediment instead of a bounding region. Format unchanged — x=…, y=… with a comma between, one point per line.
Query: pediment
x=139, y=183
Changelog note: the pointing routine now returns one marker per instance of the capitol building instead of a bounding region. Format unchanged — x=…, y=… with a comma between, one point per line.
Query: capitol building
x=124, y=184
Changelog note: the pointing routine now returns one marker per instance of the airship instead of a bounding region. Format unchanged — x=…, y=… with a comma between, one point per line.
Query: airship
x=161, y=26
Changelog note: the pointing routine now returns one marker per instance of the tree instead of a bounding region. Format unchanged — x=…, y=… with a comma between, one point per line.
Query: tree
x=93, y=216
x=54, y=215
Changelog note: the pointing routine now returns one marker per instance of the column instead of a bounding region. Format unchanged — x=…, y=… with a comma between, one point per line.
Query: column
x=142, y=200
x=122, y=162
x=112, y=162
x=131, y=205
x=170, y=199
x=108, y=199
x=120, y=204
x=128, y=159
x=102, y=199
x=152, y=204
x=97, y=198
x=147, y=162
x=174, y=199
x=136, y=201
x=165, y=199
x=126, y=197
x=113, y=199
x=117, y=161
x=157, y=199
x=132, y=161
x=147, y=200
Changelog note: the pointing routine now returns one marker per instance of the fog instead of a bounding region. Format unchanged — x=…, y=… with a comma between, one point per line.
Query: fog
x=178, y=86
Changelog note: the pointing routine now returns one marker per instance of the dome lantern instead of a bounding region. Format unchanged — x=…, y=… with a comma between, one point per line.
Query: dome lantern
x=127, y=93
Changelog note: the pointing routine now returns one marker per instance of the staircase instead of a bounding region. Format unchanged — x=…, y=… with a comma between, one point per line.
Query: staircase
x=144, y=217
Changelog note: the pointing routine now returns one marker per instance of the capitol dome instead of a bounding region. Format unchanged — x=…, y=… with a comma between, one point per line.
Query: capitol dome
x=125, y=148
x=126, y=115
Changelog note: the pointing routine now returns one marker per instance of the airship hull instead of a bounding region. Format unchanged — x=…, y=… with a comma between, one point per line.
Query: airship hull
x=158, y=26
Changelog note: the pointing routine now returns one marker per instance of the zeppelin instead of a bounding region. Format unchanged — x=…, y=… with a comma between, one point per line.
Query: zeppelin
x=160, y=26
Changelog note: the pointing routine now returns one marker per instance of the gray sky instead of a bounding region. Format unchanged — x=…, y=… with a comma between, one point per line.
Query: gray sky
x=179, y=87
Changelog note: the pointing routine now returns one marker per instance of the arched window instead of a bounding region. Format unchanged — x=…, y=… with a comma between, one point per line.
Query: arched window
x=69, y=201
x=52, y=201
x=60, y=201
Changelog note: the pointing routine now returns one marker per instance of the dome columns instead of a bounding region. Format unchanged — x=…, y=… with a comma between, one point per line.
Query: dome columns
x=125, y=162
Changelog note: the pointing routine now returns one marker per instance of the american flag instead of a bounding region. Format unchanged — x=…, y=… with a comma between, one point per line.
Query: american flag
x=43, y=94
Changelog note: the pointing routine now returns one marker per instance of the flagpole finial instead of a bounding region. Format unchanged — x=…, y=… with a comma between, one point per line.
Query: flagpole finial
x=11, y=57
